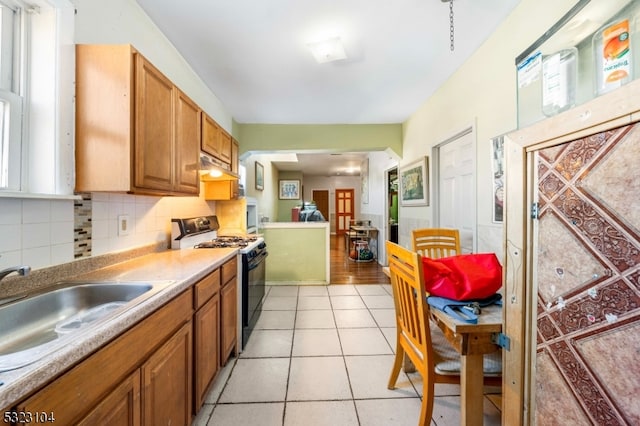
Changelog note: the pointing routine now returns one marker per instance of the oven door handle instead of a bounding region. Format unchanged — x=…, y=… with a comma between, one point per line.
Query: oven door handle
x=253, y=264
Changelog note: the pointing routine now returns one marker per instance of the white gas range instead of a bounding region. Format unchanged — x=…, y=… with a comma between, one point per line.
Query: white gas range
x=201, y=233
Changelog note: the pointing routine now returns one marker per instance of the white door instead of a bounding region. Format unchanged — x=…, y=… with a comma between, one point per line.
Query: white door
x=456, y=187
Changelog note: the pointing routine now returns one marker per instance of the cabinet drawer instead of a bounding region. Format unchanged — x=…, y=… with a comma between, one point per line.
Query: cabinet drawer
x=229, y=270
x=206, y=288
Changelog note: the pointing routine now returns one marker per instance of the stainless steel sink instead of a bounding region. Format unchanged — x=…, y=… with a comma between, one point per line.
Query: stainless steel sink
x=36, y=325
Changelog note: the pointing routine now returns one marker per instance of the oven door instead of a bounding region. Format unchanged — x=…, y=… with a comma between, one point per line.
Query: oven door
x=253, y=290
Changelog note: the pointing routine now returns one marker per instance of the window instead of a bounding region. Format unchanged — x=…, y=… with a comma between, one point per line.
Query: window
x=10, y=96
x=36, y=97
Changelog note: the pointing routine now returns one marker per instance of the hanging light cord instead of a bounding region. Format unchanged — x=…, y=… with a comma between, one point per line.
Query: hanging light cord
x=451, y=24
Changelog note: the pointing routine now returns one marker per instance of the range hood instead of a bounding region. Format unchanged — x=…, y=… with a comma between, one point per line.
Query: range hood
x=212, y=169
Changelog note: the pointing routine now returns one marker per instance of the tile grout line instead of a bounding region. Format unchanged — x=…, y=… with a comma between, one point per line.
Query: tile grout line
x=344, y=360
x=291, y=356
x=293, y=337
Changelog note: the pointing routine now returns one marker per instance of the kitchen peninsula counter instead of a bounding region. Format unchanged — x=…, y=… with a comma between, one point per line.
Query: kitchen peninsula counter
x=298, y=253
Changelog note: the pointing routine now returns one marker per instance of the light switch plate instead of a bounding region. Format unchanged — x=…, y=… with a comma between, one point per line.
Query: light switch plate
x=123, y=225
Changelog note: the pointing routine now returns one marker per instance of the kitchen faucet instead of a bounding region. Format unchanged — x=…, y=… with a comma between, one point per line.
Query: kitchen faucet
x=22, y=270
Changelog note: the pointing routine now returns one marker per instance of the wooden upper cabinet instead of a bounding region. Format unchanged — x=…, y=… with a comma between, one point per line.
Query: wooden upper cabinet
x=215, y=140
x=225, y=146
x=187, y=139
x=235, y=164
x=104, y=117
x=153, y=129
x=210, y=136
x=135, y=131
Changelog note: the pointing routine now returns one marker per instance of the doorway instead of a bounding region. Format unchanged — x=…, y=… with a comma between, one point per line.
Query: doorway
x=456, y=192
x=391, y=213
x=345, y=205
x=321, y=199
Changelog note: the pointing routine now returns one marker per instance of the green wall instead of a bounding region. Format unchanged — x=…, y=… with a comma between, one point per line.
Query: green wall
x=325, y=137
x=284, y=206
x=296, y=255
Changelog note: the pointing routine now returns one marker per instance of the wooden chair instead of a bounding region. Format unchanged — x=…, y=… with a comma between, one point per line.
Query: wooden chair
x=436, y=242
x=425, y=346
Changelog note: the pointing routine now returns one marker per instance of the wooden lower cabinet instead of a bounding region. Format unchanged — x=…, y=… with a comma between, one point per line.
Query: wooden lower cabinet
x=206, y=326
x=140, y=376
x=228, y=320
x=157, y=372
x=166, y=378
x=120, y=408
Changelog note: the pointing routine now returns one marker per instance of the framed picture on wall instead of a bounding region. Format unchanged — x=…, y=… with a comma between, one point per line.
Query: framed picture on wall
x=414, y=183
x=289, y=189
x=259, y=176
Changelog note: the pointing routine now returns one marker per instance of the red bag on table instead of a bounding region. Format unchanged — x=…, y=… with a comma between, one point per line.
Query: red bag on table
x=463, y=277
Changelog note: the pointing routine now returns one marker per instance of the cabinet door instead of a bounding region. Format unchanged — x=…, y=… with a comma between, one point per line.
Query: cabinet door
x=235, y=167
x=153, y=147
x=225, y=147
x=210, y=136
x=207, y=351
x=229, y=319
x=120, y=408
x=187, y=145
x=166, y=378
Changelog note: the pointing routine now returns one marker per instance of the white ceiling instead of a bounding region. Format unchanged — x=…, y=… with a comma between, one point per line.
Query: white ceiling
x=253, y=53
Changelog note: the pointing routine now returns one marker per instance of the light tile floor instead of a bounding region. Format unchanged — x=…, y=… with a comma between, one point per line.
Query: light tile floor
x=321, y=355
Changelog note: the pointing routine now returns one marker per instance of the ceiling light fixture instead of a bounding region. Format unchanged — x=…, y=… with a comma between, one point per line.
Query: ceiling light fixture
x=328, y=50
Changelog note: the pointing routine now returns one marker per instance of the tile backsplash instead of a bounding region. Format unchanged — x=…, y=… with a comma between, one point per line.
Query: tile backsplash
x=48, y=232
x=82, y=226
x=35, y=232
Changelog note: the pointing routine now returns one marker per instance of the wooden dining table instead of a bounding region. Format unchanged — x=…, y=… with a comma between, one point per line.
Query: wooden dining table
x=471, y=341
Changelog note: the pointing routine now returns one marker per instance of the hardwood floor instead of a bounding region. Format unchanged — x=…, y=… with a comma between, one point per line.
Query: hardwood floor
x=346, y=271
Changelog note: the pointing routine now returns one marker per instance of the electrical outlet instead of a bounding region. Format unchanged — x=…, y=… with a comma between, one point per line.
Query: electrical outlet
x=123, y=225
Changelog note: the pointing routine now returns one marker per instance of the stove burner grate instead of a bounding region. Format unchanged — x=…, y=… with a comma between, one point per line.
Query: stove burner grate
x=225, y=241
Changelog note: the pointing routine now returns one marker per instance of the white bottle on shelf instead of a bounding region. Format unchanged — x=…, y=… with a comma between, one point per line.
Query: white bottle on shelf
x=559, y=77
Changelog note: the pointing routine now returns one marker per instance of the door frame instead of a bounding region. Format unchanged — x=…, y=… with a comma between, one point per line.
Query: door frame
x=435, y=155
x=382, y=248
x=520, y=313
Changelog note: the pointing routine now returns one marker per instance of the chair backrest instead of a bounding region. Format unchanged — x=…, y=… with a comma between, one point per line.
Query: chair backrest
x=436, y=242
x=412, y=311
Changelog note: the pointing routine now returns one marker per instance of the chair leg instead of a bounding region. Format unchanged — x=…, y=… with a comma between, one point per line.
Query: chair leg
x=397, y=365
x=428, y=394
x=426, y=412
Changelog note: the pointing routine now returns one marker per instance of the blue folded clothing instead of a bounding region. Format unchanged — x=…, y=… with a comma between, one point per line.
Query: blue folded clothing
x=466, y=310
